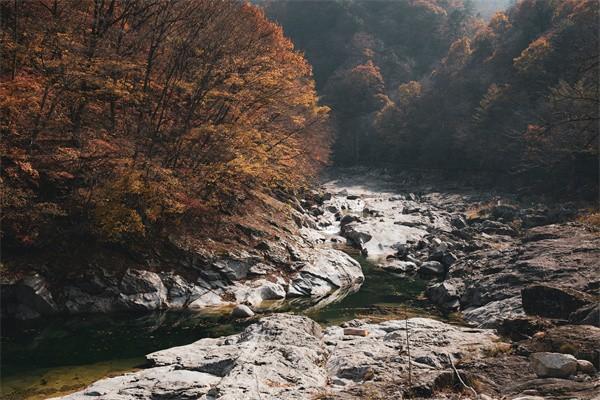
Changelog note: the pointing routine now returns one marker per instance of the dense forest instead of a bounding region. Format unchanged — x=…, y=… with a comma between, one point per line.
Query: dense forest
x=122, y=117
x=428, y=84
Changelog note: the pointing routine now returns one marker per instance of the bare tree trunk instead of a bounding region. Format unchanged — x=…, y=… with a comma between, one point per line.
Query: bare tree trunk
x=15, y=38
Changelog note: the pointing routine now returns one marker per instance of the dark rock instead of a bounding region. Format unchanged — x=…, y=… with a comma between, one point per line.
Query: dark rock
x=316, y=211
x=497, y=228
x=532, y=218
x=355, y=236
x=431, y=269
x=458, y=222
x=586, y=315
x=347, y=219
x=402, y=249
x=505, y=211
x=28, y=298
x=520, y=328
x=242, y=311
x=352, y=197
x=552, y=302
x=263, y=246
x=446, y=295
x=465, y=234
x=448, y=259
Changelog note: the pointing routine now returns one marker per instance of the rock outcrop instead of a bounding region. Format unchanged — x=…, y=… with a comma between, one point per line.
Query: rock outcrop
x=275, y=270
x=290, y=357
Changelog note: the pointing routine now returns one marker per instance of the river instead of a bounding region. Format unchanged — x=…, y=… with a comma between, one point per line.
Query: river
x=50, y=356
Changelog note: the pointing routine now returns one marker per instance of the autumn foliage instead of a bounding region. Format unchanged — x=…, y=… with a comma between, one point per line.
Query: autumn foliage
x=518, y=99
x=119, y=118
x=363, y=50
x=428, y=84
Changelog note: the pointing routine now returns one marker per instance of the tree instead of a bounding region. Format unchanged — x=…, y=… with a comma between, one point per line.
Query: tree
x=123, y=117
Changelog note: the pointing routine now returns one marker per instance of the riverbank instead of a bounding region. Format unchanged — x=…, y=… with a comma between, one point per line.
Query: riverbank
x=522, y=273
x=271, y=255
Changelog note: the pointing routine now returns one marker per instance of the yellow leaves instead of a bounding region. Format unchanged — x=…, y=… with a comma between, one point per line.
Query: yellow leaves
x=28, y=169
x=122, y=205
x=533, y=56
x=500, y=23
x=114, y=221
x=458, y=54
x=407, y=92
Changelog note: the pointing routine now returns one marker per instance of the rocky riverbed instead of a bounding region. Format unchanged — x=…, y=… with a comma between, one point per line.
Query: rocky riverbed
x=290, y=357
x=523, y=275
x=287, y=262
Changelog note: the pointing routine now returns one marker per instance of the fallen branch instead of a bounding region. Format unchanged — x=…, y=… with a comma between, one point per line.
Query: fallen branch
x=408, y=352
x=460, y=377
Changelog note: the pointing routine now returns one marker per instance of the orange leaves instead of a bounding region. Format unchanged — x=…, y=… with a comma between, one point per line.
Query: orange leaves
x=154, y=109
x=28, y=169
x=500, y=23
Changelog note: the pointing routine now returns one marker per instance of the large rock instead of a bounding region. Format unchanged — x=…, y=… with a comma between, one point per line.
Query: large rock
x=553, y=365
x=236, y=265
x=353, y=233
x=446, y=294
x=256, y=292
x=28, y=298
x=493, y=313
x=431, y=269
x=242, y=311
x=142, y=290
x=154, y=383
x=565, y=254
x=582, y=341
x=346, y=219
x=328, y=270
x=289, y=357
x=552, y=302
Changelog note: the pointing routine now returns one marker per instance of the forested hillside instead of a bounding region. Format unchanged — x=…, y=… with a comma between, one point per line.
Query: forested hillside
x=427, y=84
x=361, y=51
x=519, y=98
x=123, y=118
